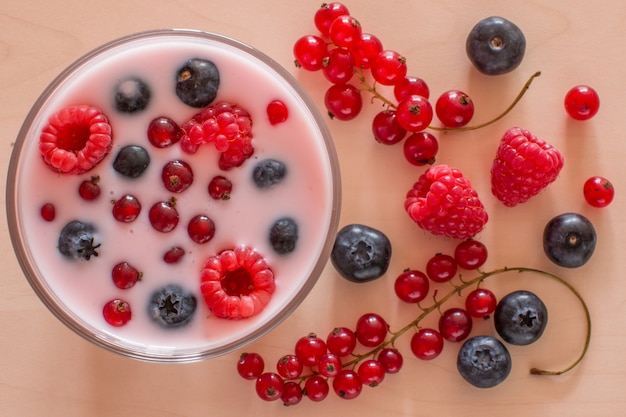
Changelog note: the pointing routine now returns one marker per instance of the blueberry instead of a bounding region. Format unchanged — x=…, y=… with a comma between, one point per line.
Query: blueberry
x=76, y=240
x=197, y=82
x=172, y=306
x=131, y=161
x=484, y=361
x=131, y=95
x=495, y=46
x=520, y=318
x=284, y=235
x=268, y=172
x=361, y=253
x=569, y=240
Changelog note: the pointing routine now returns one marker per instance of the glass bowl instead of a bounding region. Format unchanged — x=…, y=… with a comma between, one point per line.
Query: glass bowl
x=76, y=287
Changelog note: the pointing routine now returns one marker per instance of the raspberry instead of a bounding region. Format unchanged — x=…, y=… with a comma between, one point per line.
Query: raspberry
x=443, y=202
x=227, y=126
x=237, y=283
x=75, y=139
x=524, y=165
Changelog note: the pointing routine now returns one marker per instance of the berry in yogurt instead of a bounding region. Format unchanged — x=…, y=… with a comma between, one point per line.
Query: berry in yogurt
x=75, y=139
x=77, y=241
x=131, y=161
x=208, y=221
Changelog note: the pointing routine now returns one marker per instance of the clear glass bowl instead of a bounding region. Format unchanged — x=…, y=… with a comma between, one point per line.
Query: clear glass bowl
x=75, y=290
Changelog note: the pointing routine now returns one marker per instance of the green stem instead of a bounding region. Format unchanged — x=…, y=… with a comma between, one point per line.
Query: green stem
x=476, y=281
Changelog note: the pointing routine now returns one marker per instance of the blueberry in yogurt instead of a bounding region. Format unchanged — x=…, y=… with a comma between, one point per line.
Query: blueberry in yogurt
x=77, y=241
x=172, y=306
x=132, y=95
x=131, y=161
x=284, y=235
x=268, y=173
x=197, y=82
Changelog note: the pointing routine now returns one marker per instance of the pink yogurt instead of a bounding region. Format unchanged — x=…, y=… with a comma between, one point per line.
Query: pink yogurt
x=77, y=290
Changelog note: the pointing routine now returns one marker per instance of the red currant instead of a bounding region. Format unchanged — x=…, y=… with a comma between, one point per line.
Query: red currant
x=220, y=188
x=326, y=14
x=455, y=324
x=316, y=388
x=427, y=344
x=345, y=31
x=414, y=113
x=598, y=191
x=389, y=67
x=411, y=286
x=309, y=52
x=126, y=209
x=173, y=255
x=343, y=101
x=310, y=349
x=125, y=275
x=454, y=108
x=391, y=359
x=117, y=312
x=582, y=102
x=289, y=367
x=341, y=341
x=338, y=67
x=371, y=372
x=292, y=393
x=421, y=148
x=163, y=216
x=201, y=228
x=480, y=302
x=48, y=212
x=371, y=329
x=164, y=132
x=386, y=128
x=269, y=386
x=347, y=384
x=329, y=365
x=470, y=254
x=177, y=176
x=365, y=50
x=441, y=268
x=89, y=189
x=409, y=86
x=277, y=112
x=250, y=365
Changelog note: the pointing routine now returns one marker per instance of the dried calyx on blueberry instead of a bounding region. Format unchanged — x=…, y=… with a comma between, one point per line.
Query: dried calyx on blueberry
x=484, y=361
x=77, y=240
x=520, y=318
x=197, y=82
x=569, y=240
x=172, y=306
x=361, y=253
x=495, y=45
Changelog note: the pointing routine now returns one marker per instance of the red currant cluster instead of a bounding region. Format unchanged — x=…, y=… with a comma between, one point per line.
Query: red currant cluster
x=347, y=360
x=343, y=53
x=317, y=365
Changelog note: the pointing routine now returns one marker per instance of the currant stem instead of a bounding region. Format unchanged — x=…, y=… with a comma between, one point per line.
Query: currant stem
x=389, y=104
x=500, y=116
x=438, y=302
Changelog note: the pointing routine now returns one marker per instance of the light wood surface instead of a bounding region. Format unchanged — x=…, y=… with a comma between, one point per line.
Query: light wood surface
x=46, y=370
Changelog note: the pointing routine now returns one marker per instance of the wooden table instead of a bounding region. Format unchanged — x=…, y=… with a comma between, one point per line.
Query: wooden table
x=46, y=370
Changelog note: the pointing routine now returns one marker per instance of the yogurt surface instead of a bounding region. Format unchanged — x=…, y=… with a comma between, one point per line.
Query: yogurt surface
x=308, y=194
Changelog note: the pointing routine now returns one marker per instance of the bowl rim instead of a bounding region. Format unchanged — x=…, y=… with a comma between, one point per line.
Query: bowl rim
x=76, y=324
